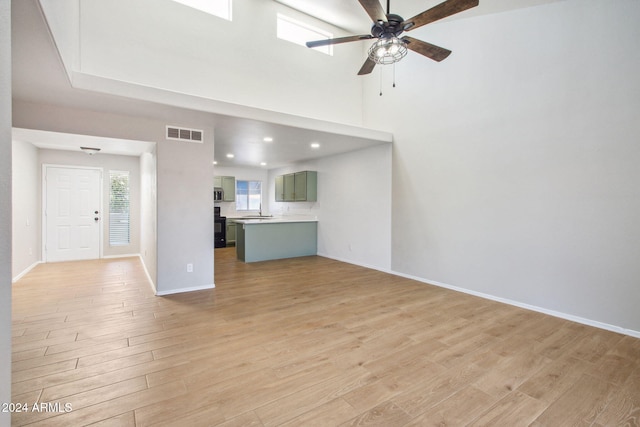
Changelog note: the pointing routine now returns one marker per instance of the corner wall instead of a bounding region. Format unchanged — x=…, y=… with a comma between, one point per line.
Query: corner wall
x=353, y=206
x=25, y=206
x=185, y=215
x=184, y=180
x=516, y=159
x=148, y=215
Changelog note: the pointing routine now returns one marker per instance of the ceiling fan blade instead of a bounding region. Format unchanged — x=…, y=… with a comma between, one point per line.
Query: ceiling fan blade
x=374, y=10
x=429, y=50
x=447, y=8
x=347, y=39
x=367, y=67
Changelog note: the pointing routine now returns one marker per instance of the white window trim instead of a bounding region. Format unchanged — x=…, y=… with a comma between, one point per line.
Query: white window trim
x=247, y=195
x=202, y=6
x=327, y=50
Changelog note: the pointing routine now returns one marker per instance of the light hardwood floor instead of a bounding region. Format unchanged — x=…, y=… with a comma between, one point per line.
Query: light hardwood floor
x=303, y=342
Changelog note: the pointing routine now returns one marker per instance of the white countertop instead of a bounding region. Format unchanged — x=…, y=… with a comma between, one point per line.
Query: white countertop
x=274, y=219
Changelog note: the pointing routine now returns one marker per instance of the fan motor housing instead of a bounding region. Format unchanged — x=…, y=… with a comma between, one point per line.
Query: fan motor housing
x=393, y=27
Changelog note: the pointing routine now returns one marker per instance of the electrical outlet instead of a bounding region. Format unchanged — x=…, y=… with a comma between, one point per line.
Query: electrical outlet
x=189, y=268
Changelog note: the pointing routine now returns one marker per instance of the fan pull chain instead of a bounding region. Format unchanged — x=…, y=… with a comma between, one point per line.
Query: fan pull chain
x=394, y=74
x=380, y=81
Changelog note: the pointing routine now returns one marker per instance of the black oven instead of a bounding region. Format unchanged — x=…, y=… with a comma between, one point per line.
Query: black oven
x=220, y=229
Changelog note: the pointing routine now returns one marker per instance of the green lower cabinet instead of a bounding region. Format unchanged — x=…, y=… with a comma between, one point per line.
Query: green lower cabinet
x=231, y=232
x=266, y=241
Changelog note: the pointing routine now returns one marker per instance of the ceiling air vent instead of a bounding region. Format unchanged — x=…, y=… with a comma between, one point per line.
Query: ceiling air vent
x=183, y=134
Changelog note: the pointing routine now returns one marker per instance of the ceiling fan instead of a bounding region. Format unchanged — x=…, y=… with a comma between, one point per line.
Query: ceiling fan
x=388, y=27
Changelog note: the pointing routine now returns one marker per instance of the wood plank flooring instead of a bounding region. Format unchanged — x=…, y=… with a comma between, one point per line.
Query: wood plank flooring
x=303, y=342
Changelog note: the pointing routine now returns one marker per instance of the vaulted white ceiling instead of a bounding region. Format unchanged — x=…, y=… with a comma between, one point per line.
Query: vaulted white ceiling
x=348, y=14
x=38, y=76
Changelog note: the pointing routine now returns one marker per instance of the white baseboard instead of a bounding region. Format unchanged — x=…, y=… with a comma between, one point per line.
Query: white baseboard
x=561, y=315
x=120, y=256
x=182, y=290
x=348, y=261
x=146, y=272
x=25, y=271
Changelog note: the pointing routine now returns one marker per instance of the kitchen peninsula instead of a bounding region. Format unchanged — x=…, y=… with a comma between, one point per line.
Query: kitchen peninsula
x=266, y=238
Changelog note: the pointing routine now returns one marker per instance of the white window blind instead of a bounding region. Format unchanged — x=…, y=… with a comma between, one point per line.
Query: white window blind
x=119, y=230
x=248, y=195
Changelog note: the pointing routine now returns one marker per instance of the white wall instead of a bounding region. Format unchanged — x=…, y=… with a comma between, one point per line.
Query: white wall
x=240, y=62
x=185, y=215
x=106, y=162
x=184, y=177
x=353, y=206
x=5, y=209
x=148, y=214
x=516, y=159
x=26, y=235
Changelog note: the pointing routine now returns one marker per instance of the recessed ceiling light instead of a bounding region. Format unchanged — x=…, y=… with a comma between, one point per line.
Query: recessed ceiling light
x=263, y=163
x=315, y=145
x=268, y=139
x=215, y=163
x=230, y=156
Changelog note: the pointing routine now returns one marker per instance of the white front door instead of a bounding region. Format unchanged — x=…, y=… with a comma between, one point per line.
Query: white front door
x=72, y=213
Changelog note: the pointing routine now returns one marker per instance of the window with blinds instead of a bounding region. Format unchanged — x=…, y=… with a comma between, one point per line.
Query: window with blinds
x=119, y=231
x=248, y=195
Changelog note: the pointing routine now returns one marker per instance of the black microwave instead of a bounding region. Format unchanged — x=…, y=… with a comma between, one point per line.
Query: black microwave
x=218, y=194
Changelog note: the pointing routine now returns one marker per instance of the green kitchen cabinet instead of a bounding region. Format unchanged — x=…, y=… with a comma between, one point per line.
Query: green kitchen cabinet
x=297, y=187
x=267, y=240
x=289, y=187
x=280, y=188
x=228, y=185
x=231, y=232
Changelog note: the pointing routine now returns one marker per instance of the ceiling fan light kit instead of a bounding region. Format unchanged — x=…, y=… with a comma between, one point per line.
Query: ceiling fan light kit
x=389, y=47
x=388, y=50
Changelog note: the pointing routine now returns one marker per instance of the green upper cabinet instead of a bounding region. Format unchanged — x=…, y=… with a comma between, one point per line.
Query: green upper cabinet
x=228, y=185
x=302, y=192
x=280, y=188
x=289, y=187
x=297, y=187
